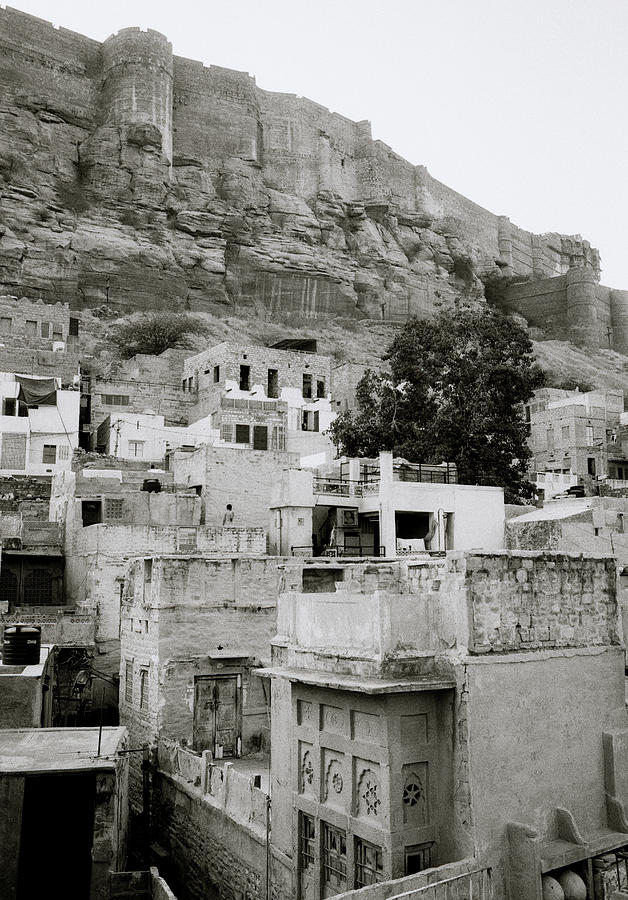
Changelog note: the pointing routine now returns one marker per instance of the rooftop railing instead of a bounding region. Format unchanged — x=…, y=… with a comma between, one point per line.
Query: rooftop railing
x=476, y=885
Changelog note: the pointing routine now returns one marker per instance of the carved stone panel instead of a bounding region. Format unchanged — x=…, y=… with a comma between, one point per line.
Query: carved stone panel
x=415, y=797
x=305, y=713
x=332, y=719
x=367, y=797
x=334, y=787
x=306, y=768
x=367, y=727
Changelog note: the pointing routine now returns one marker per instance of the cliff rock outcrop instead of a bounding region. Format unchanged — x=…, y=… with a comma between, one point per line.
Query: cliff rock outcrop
x=138, y=179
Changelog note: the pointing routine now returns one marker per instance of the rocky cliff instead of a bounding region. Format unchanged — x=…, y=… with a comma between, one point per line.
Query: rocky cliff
x=135, y=179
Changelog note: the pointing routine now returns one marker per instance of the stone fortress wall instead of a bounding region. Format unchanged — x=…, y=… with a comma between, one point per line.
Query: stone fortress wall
x=212, y=119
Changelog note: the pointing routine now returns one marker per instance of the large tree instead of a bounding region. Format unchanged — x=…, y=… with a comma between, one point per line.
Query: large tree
x=454, y=392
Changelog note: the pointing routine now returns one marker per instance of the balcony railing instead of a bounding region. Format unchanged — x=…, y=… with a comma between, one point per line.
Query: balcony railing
x=245, y=403
x=343, y=487
x=417, y=472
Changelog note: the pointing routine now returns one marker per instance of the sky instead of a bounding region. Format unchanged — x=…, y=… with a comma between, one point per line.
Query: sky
x=520, y=106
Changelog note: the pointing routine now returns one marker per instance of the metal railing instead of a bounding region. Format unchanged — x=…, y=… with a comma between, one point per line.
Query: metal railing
x=417, y=472
x=475, y=885
x=306, y=550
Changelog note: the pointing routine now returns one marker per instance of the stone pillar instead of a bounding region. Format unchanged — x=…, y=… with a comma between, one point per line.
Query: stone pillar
x=582, y=317
x=387, y=528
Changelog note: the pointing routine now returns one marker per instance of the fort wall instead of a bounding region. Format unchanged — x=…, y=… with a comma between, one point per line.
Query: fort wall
x=99, y=115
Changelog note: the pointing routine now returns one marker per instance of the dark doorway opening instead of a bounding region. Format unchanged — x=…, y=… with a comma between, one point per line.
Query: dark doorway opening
x=57, y=836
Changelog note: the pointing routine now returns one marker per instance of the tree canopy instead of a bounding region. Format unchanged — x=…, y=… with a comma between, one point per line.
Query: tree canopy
x=454, y=392
x=155, y=332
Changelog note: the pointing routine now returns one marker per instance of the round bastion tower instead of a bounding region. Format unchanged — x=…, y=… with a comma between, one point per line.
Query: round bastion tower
x=582, y=306
x=137, y=82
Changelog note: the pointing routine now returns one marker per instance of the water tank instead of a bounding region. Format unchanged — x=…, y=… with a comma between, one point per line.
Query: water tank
x=21, y=645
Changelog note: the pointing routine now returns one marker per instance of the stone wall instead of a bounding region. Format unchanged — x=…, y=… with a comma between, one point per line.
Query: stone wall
x=211, y=851
x=573, y=306
x=526, y=602
x=243, y=478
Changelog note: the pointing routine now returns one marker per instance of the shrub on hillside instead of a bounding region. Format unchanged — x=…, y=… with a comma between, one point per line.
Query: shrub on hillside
x=154, y=333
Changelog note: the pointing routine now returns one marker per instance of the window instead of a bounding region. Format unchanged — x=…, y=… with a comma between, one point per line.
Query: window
x=128, y=681
x=216, y=374
x=5, y=324
x=57, y=335
x=307, y=386
x=273, y=383
x=369, y=866
x=564, y=434
x=73, y=327
x=550, y=438
x=320, y=388
x=309, y=421
x=278, y=441
x=242, y=434
x=30, y=326
x=245, y=378
x=64, y=451
x=143, y=688
x=184, y=384
x=307, y=837
x=334, y=857
x=136, y=448
x=226, y=432
x=590, y=436
x=260, y=437
x=591, y=465
x=49, y=454
x=9, y=406
x=38, y=588
x=191, y=383
x=187, y=539
x=45, y=329
x=148, y=570
x=114, y=399
x=114, y=507
x=418, y=858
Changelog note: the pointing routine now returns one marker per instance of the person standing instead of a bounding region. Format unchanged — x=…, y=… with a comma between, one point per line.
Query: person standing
x=227, y=519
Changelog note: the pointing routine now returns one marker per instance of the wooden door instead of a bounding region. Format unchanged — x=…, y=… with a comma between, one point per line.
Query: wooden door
x=217, y=714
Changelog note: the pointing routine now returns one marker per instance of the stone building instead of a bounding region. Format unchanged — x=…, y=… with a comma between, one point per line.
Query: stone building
x=400, y=685
x=576, y=438
x=240, y=477
x=109, y=519
x=71, y=775
x=264, y=398
x=192, y=629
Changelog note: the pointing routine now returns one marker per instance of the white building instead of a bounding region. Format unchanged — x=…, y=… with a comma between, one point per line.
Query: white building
x=39, y=425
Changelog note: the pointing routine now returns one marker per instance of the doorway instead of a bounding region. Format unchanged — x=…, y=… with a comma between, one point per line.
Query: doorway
x=57, y=835
x=217, y=725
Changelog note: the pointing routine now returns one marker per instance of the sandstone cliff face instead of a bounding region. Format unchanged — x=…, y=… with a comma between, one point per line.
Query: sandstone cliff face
x=136, y=179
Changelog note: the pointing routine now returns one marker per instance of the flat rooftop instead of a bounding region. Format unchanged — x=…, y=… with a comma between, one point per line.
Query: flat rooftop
x=36, y=750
